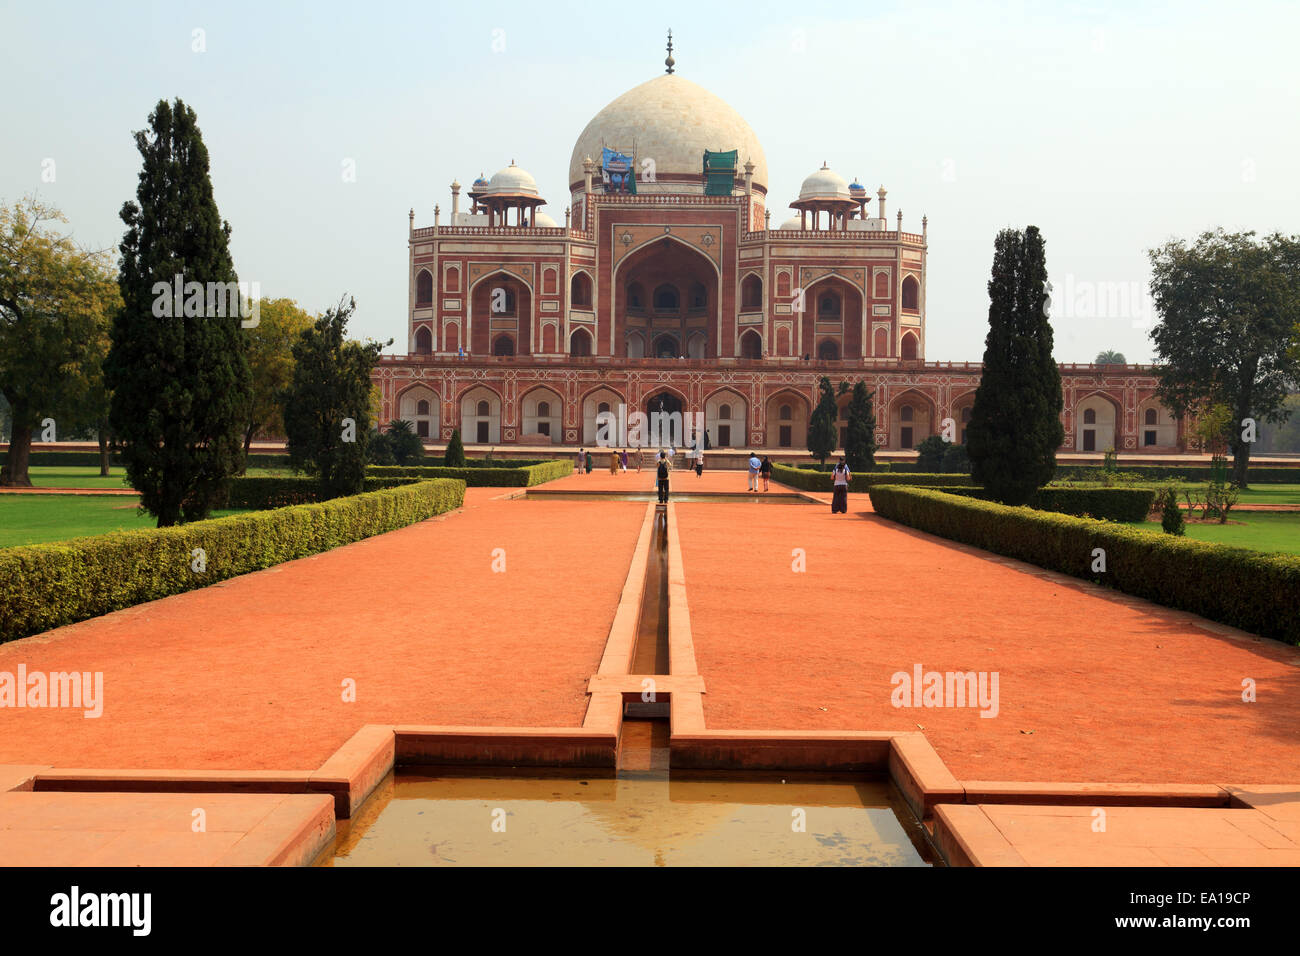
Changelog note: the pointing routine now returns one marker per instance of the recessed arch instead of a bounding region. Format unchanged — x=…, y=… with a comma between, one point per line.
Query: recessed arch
x=424, y=287
x=909, y=347
x=421, y=406
x=423, y=340
x=480, y=416
x=786, y=414
x=751, y=292
x=597, y=401
x=1157, y=426
x=912, y=419
x=828, y=350
x=542, y=414
x=580, y=290
x=579, y=343
x=911, y=300
x=1097, y=419
x=503, y=344
x=725, y=419
x=751, y=345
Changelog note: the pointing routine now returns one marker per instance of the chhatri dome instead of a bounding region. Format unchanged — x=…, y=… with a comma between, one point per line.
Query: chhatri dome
x=672, y=121
x=824, y=184
x=511, y=181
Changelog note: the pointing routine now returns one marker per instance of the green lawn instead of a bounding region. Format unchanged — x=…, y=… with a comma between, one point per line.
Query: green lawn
x=1257, y=494
x=54, y=476
x=33, y=519
x=1259, y=531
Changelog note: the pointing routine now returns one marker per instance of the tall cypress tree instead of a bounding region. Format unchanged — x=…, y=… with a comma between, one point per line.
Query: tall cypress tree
x=178, y=369
x=1015, y=425
x=860, y=448
x=822, y=433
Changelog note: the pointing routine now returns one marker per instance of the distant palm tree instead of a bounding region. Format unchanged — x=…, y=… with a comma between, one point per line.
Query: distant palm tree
x=1110, y=357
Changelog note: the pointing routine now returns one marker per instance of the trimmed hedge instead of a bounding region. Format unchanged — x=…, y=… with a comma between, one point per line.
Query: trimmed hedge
x=90, y=459
x=1246, y=589
x=1108, y=504
x=806, y=480
x=259, y=493
x=1167, y=472
x=480, y=477
x=49, y=585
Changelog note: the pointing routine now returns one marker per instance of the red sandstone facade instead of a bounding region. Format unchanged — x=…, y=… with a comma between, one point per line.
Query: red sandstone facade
x=524, y=333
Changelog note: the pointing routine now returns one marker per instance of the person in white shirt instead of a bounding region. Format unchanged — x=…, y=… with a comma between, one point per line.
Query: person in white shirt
x=840, y=496
x=754, y=466
x=699, y=461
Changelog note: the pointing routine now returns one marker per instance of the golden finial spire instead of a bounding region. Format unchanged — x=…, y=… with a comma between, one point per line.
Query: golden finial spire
x=670, y=62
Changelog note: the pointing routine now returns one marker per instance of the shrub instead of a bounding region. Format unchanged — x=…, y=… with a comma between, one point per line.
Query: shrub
x=49, y=585
x=955, y=460
x=929, y=454
x=480, y=477
x=1178, y=473
x=1241, y=588
x=455, y=456
x=1171, y=516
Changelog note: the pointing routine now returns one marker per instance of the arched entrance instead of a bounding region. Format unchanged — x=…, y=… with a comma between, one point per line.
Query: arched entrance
x=787, y=420
x=668, y=292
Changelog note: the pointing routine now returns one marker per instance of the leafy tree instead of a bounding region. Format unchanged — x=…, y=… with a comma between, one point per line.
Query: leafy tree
x=823, y=436
x=860, y=446
x=1015, y=425
x=930, y=452
x=1282, y=437
x=327, y=404
x=270, y=362
x=455, y=456
x=1109, y=357
x=380, y=450
x=178, y=367
x=56, y=302
x=1229, y=329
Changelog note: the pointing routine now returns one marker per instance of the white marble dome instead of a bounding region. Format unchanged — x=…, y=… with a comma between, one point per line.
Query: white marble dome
x=543, y=221
x=511, y=181
x=824, y=184
x=794, y=223
x=672, y=121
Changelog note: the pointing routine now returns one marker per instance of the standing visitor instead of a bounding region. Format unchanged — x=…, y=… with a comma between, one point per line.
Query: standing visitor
x=766, y=471
x=613, y=462
x=754, y=466
x=840, y=497
x=582, y=458
x=640, y=454
x=623, y=457
x=699, y=462
x=662, y=472
x=588, y=462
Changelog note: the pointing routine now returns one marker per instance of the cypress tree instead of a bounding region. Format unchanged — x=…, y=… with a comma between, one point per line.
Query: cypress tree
x=860, y=446
x=1015, y=425
x=327, y=404
x=178, y=369
x=822, y=433
x=455, y=454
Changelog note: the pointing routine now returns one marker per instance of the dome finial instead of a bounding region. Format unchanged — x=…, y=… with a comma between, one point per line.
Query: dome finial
x=670, y=62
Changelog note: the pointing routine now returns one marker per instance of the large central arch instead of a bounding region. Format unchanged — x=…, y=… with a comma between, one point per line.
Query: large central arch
x=667, y=290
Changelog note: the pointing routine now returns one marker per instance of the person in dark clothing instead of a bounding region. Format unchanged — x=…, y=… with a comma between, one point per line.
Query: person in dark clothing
x=662, y=475
x=840, y=496
x=766, y=471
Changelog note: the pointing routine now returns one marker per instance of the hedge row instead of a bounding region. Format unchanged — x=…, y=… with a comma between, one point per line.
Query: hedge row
x=1246, y=589
x=481, y=477
x=255, y=493
x=823, y=481
x=1168, y=472
x=49, y=585
x=1108, y=504
x=90, y=459
x=908, y=467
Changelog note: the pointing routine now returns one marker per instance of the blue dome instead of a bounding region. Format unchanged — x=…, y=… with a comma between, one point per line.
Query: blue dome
x=857, y=189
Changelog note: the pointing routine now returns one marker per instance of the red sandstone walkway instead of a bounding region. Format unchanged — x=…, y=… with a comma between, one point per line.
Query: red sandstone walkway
x=248, y=674
x=1094, y=686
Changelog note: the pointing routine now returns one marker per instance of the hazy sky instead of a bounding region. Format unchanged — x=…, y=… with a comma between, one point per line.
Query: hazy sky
x=1111, y=126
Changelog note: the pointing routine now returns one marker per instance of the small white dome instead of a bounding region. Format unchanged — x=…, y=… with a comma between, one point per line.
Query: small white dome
x=823, y=184
x=543, y=221
x=511, y=181
x=795, y=223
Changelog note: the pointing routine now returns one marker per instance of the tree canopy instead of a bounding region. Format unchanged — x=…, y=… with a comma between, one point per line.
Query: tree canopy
x=1229, y=329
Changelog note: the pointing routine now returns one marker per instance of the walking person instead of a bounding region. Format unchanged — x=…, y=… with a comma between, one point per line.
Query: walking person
x=766, y=471
x=662, y=477
x=640, y=454
x=754, y=466
x=623, y=458
x=840, y=496
x=582, y=459
x=699, y=462
x=588, y=462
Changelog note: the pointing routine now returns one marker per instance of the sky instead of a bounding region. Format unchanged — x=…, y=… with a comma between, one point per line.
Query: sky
x=1113, y=127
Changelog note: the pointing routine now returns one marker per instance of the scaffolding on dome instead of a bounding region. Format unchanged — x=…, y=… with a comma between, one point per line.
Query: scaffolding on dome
x=617, y=170
x=719, y=173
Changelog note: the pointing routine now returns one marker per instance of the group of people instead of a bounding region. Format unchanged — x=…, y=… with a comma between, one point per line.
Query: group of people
x=619, y=461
